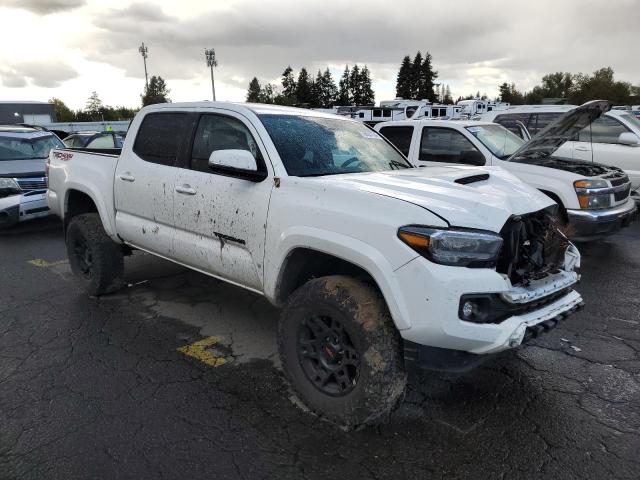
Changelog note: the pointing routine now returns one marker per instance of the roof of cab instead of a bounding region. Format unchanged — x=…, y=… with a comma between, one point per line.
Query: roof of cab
x=256, y=108
x=21, y=131
x=435, y=123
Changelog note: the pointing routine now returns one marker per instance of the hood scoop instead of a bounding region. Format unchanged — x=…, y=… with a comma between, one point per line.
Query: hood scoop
x=472, y=179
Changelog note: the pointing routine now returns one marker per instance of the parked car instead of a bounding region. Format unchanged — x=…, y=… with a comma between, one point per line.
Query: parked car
x=378, y=265
x=612, y=139
x=593, y=198
x=96, y=140
x=23, y=154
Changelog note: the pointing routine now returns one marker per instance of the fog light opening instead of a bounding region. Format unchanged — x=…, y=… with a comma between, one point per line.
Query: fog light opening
x=468, y=309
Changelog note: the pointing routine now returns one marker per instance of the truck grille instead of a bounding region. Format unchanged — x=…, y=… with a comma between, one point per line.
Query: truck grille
x=532, y=246
x=32, y=183
x=623, y=194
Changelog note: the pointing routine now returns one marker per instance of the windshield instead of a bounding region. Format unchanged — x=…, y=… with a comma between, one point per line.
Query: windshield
x=18, y=148
x=313, y=146
x=501, y=142
x=631, y=120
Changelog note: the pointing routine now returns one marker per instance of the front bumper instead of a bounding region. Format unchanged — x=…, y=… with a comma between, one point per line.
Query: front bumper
x=19, y=208
x=585, y=225
x=433, y=293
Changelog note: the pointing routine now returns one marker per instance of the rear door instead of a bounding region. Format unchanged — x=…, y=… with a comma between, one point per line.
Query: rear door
x=599, y=143
x=221, y=215
x=400, y=136
x=145, y=179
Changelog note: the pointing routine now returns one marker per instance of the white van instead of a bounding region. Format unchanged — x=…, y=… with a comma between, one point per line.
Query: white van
x=613, y=139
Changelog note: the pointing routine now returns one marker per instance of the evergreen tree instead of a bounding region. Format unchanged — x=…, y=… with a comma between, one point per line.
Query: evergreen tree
x=367, y=95
x=267, y=94
x=289, y=84
x=94, y=108
x=416, y=73
x=355, y=85
x=253, y=94
x=330, y=90
x=303, y=88
x=344, y=93
x=447, y=96
x=426, y=79
x=403, y=81
x=155, y=92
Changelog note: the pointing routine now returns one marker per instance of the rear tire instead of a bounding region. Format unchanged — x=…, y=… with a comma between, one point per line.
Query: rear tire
x=341, y=351
x=95, y=259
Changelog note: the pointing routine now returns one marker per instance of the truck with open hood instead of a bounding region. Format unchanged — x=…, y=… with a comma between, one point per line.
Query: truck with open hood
x=593, y=198
x=378, y=266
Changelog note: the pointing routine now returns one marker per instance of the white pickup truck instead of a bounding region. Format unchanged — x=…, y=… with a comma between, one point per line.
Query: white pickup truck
x=378, y=265
x=594, y=199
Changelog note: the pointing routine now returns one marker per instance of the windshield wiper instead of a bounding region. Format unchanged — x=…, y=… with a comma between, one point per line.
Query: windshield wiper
x=393, y=163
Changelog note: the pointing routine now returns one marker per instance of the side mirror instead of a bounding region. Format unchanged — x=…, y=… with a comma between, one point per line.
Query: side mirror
x=237, y=159
x=628, y=138
x=472, y=157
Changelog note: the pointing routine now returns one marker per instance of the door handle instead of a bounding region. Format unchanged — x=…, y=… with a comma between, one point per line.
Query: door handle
x=185, y=190
x=127, y=177
x=583, y=149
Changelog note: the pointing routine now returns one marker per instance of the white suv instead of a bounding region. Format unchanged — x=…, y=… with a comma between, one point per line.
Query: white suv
x=613, y=139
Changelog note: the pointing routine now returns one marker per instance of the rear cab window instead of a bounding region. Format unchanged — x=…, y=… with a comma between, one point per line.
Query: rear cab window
x=162, y=136
x=400, y=136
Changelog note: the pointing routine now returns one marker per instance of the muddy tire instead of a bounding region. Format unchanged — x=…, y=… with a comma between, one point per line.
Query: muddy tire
x=95, y=259
x=341, y=351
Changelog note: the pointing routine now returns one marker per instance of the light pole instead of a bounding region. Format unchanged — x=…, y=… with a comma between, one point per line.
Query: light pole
x=210, y=53
x=143, y=51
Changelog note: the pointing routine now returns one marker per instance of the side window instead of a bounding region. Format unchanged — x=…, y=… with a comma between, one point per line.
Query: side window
x=510, y=121
x=444, y=145
x=218, y=132
x=603, y=130
x=103, y=141
x=400, y=136
x=546, y=119
x=160, y=137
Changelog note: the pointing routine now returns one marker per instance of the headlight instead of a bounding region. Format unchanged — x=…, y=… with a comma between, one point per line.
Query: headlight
x=593, y=194
x=461, y=248
x=8, y=186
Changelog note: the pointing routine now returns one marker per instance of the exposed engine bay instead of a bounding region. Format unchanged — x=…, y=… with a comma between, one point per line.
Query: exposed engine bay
x=533, y=246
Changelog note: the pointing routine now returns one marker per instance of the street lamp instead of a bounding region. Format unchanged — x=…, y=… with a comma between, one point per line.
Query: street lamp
x=144, y=51
x=210, y=53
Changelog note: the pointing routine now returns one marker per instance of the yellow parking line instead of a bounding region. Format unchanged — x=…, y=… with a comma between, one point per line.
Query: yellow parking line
x=198, y=350
x=39, y=262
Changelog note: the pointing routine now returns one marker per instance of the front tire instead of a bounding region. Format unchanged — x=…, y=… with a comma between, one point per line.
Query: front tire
x=95, y=259
x=341, y=351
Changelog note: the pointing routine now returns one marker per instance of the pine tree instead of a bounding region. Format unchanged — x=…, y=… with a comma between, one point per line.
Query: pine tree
x=303, y=88
x=289, y=84
x=253, y=94
x=367, y=95
x=403, y=80
x=426, y=80
x=344, y=93
x=155, y=92
x=447, y=96
x=330, y=89
x=416, y=73
x=94, y=107
x=355, y=85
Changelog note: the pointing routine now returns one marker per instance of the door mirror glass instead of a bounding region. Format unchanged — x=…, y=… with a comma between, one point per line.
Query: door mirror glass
x=628, y=138
x=472, y=157
x=232, y=158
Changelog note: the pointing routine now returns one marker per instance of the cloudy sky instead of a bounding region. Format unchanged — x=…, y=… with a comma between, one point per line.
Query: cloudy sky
x=68, y=48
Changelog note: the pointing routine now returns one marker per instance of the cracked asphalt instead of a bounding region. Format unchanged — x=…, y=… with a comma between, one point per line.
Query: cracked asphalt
x=96, y=388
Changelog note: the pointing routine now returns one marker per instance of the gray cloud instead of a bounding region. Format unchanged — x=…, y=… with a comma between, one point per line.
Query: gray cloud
x=39, y=74
x=251, y=37
x=44, y=7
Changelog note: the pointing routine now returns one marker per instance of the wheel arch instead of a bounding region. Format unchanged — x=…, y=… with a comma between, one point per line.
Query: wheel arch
x=78, y=201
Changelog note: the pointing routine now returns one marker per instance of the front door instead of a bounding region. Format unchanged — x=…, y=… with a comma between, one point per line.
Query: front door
x=221, y=215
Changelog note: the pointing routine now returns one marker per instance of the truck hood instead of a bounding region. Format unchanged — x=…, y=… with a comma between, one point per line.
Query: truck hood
x=471, y=197
x=540, y=149
x=22, y=168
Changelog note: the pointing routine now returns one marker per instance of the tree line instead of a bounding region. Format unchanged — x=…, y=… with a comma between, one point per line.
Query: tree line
x=574, y=88
x=321, y=91
x=416, y=80
x=96, y=111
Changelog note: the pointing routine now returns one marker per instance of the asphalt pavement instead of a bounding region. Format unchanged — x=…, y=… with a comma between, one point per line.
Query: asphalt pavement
x=177, y=376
